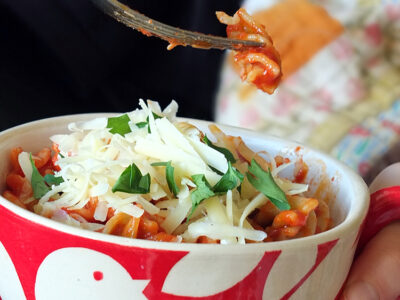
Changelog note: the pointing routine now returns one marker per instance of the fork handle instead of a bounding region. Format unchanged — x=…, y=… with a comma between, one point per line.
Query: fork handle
x=175, y=36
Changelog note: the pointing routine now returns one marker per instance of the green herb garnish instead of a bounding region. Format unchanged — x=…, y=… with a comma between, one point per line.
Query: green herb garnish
x=265, y=183
x=160, y=164
x=215, y=170
x=155, y=116
x=230, y=180
x=146, y=123
x=169, y=174
x=50, y=179
x=38, y=183
x=119, y=125
x=203, y=191
x=132, y=181
x=141, y=124
x=228, y=155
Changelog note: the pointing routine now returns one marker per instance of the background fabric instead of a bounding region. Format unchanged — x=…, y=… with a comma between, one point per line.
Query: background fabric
x=344, y=99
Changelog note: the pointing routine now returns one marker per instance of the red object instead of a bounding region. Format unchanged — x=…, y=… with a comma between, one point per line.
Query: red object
x=323, y=251
x=141, y=263
x=263, y=64
x=43, y=241
x=266, y=81
x=383, y=210
x=97, y=275
x=373, y=34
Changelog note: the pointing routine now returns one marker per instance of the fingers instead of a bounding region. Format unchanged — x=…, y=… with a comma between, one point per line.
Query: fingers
x=376, y=272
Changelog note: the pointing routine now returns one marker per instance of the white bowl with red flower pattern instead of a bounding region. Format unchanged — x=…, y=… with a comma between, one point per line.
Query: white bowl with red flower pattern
x=42, y=259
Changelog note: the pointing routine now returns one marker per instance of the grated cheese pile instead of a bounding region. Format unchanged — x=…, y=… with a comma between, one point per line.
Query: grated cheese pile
x=92, y=159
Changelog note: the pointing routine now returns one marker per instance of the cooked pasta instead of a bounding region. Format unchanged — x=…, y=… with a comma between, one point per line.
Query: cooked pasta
x=144, y=175
x=260, y=66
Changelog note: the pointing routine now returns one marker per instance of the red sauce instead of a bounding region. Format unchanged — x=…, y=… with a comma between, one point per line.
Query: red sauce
x=145, y=32
x=301, y=174
x=289, y=218
x=267, y=80
x=267, y=58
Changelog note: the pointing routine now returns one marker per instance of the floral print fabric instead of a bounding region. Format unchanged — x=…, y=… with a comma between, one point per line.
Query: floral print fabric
x=343, y=100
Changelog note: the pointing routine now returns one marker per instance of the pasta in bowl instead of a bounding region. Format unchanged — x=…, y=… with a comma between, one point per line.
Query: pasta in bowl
x=145, y=175
x=264, y=240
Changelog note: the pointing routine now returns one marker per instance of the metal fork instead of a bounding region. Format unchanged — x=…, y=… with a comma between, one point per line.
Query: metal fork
x=175, y=36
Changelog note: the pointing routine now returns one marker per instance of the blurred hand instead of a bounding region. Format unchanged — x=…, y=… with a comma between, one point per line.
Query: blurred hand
x=375, y=274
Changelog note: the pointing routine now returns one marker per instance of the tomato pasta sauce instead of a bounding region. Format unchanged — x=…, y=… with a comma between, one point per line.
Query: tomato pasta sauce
x=260, y=66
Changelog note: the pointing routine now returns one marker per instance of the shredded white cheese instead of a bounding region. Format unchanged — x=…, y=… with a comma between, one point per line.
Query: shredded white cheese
x=223, y=231
x=25, y=164
x=92, y=160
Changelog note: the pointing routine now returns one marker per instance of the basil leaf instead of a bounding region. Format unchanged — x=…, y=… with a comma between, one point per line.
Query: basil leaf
x=146, y=123
x=228, y=155
x=141, y=124
x=265, y=183
x=215, y=170
x=155, y=116
x=173, y=187
x=230, y=180
x=202, y=192
x=169, y=174
x=38, y=184
x=131, y=181
x=119, y=125
x=50, y=179
x=160, y=164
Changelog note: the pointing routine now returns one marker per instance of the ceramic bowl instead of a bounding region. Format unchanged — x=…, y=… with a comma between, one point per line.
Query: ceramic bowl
x=42, y=259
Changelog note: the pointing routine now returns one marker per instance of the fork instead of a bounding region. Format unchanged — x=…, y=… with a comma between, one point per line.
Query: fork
x=175, y=36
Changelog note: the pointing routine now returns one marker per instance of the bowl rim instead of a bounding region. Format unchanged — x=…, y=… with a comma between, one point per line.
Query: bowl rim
x=355, y=216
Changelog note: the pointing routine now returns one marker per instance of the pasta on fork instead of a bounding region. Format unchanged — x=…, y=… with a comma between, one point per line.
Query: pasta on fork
x=260, y=66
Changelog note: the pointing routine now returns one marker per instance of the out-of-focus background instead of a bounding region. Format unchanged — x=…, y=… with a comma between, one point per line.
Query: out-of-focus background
x=341, y=85
x=61, y=57
x=341, y=63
